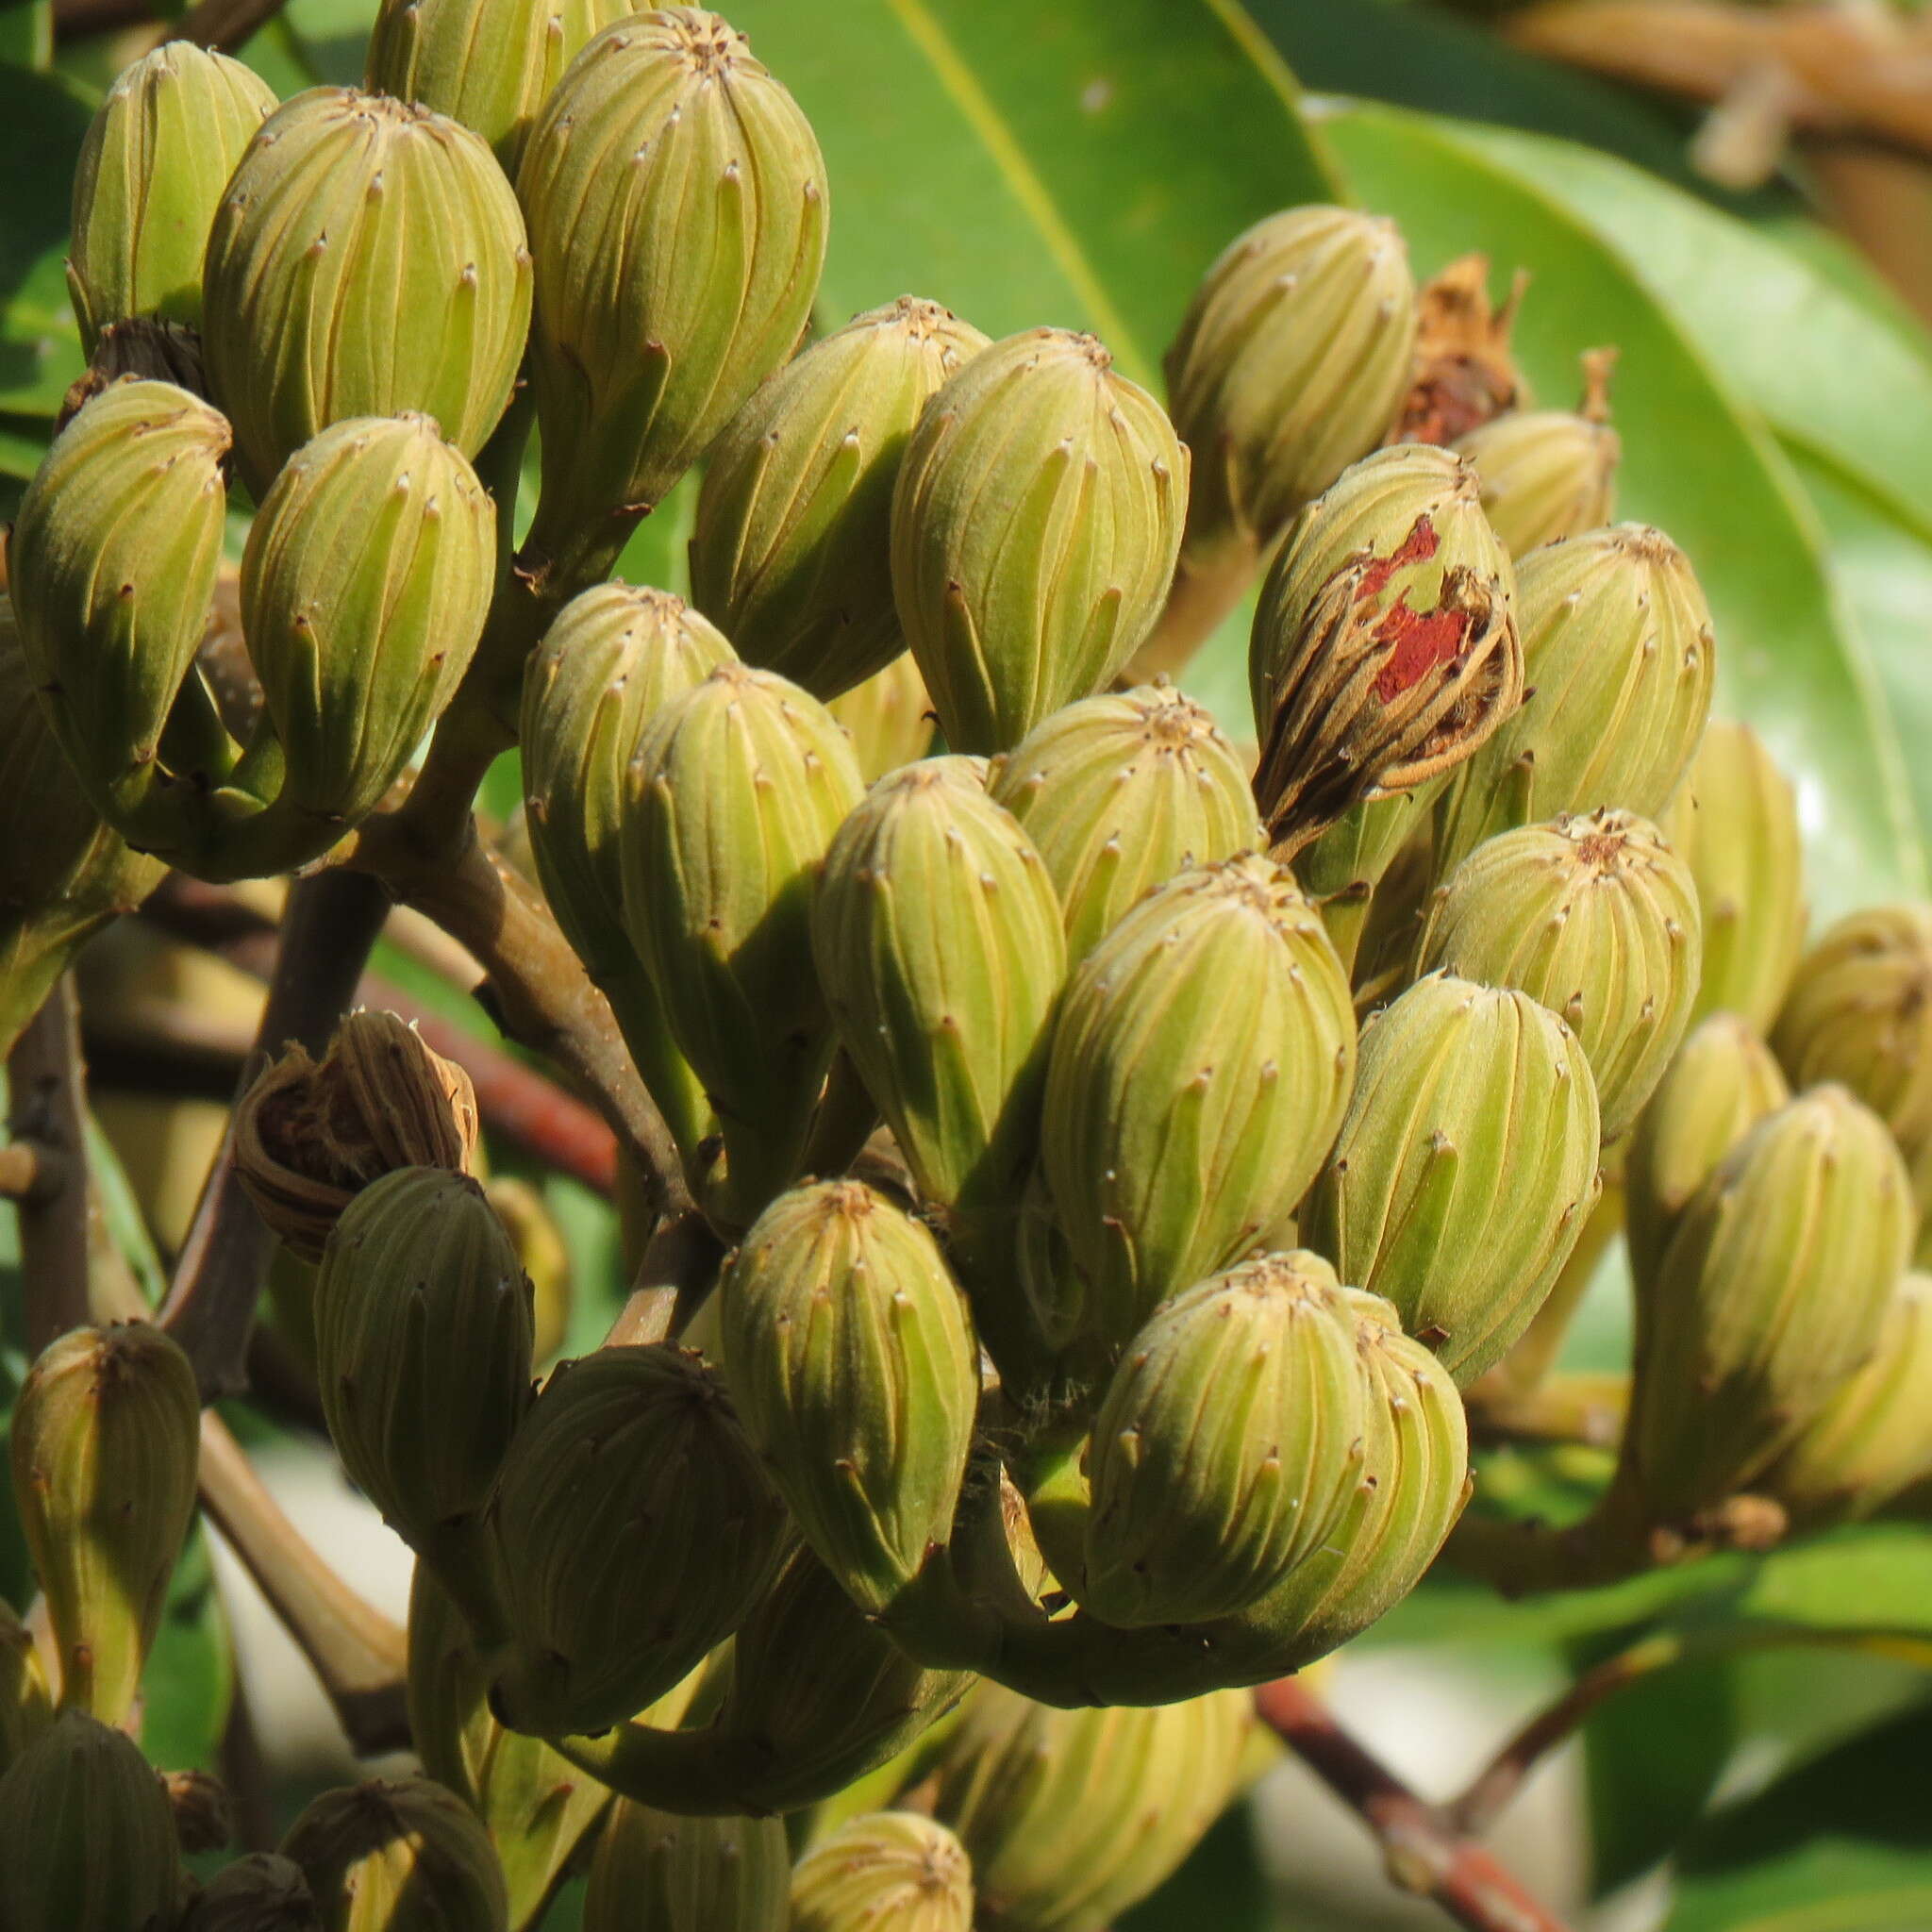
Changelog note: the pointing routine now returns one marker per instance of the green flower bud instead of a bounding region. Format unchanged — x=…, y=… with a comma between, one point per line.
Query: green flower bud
x=364, y=587
x=1200, y=1066
x=490, y=64
x=1120, y=792
x=676, y=202
x=1549, y=474
x=367, y=259
x=635, y=1530
x=158, y=154
x=1772, y=1294
x=613, y=659
x=1225, y=1447
x=1723, y=1081
x=1466, y=1168
x=262, y=1893
x=112, y=569
x=734, y=794
x=91, y=1842
x=1869, y=1443
x=1860, y=1012
x=536, y=1806
x=884, y=1870
x=938, y=939
x=656, y=1872
x=1596, y=917
x=852, y=1363
x=423, y=1362
x=890, y=718
x=1618, y=651
x=792, y=548
x=105, y=1441
x=398, y=1855
x=1035, y=525
x=1072, y=1816
x=1734, y=822
x=24, y=1705
x=1383, y=651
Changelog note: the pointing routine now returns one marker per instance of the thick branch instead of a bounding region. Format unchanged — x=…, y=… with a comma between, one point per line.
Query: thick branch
x=1425, y=1853
x=48, y=1109
x=224, y=25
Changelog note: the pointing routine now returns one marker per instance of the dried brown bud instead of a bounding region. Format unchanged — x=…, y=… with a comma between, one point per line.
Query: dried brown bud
x=1464, y=371
x=204, y=1820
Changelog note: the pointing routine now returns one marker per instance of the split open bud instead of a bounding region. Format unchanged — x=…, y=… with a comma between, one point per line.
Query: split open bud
x=734, y=795
x=1035, y=524
x=1072, y=1816
x=261, y=1892
x=1597, y=918
x=884, y=1869
x=676, y=202
x=613, y=659
x=656, y=1872
x=106, y=1442
x=367, y=259
x=792, y=552
x=490, y=64
x=1734, y=822
x=890, y=717
x=635, y=1530
x=1200, y=1067
x=422, y=1362
x=397, y=1855
x=90, y=1840
x=158, y=154
x=1384, y=651
x=1466, y=1168
x=1618, y=652
x=1464, y=373
x=1120, y=792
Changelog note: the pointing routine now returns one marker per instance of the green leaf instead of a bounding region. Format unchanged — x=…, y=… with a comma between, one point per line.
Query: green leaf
x=189, y=1679
x=26, y=33
x=45, y=116
x=1695, y=464
x=1221, y=1884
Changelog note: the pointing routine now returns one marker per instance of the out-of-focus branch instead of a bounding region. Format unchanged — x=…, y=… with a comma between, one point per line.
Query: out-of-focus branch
x=48, y=1122
x=673, y=1278
x=1426, y=1855
x=1564, y=1408
x=223, y=25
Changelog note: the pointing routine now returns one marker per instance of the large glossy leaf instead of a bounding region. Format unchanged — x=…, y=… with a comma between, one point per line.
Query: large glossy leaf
x=1698, y=464
x=45, y=116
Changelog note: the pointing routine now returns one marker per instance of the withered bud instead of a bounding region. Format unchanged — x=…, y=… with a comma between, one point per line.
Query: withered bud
x=1465, y=374
x=204, y=1818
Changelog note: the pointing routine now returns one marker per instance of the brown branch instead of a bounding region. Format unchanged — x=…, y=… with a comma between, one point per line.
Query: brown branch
x=1565, y=1408
x=222, y=26
x=673, y=1278
x=48, y=1109
x=28, y=1172
x=1423, y=1852
x=330, y=924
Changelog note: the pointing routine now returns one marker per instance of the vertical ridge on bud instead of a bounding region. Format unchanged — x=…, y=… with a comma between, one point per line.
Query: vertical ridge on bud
x=882, y=1869
x=655, y=1872
x=890, y=716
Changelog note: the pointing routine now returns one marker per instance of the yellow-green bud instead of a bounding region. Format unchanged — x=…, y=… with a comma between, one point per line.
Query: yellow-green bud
x=24, y=1705
x=884, y=1871
x=890, y=717
x=1549, y=474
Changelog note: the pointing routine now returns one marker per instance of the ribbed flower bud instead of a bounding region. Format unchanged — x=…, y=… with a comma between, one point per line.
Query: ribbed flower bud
x=1199, y=1069
x=158, y=154
x=1549, y=474
x=1466, y=1168
x=367, y=259
x=792, y=552
x=890, y=717
x=536, y=1806
x=106, y=1441
x=24, y=1705
x=852, y=1366
x=111, y=566
x=490, y=64
x=733, y=797
x=89, y=1842
x=262, y=1893
x=1734, y=822
x=364, y=587
x=1383, y=651
x=1120, y=792
x=1860, y=1012
x=635, y=1530
x=676, y=202
x=310, y=1135
x=1225, y=1447
x=1723, y=1081
x=1072, y=1816
x=422, y=1361
x=1771, y=1293
x=1618, y=652
x=884, y=1869
x=1596, y=917
x=655, y=1872
x=397, y=1855
x=614, y=657
x=1035, y=525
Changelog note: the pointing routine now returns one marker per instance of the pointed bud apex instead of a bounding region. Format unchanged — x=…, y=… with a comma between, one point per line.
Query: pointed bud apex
x=1549, y=474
